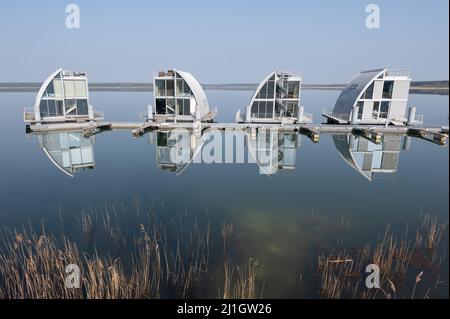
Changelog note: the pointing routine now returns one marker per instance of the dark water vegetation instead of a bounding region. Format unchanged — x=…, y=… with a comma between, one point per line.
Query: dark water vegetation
x=144, y=259
x=409, y=268
x=135, y=254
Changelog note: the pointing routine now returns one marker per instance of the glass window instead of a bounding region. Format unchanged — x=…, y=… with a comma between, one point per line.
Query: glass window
x=180, y=106
x=43, y=108
x=278, y=108
x=263, y=92
x=269, y=109
x=59, y=108
x=50, y=91
x=161, y=139
x=270, y=89
x=384, y=109
x=160, y=87
x=184, y=107
x=180, y=87
x=254, y=110
x=71, y=107
x=376, y=109
x=368, y=94
x=387, y=89
x=293, y=89
x=82, y=107
x=291, y=109
x=187, y=107
x=170, y=105
x=360, y=109
x=187, y=90
x=51, y=108
x=160, y=106
x=262, y=109
x=170, y=88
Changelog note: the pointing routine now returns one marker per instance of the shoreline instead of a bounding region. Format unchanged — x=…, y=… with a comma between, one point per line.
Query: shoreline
x=418, y=87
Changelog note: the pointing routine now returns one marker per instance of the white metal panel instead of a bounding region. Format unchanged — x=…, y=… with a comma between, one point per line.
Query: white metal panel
x=66, y=162
x=80, y=89
x=59, y=93
x=75, y=153
x=368, y=110
x=401, y=89
x=376, y=159
x=87, y=154
x=398, y=110
x=378, y=90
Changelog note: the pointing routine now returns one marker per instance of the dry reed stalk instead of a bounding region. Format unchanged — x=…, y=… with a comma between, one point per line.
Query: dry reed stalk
x=33, y=266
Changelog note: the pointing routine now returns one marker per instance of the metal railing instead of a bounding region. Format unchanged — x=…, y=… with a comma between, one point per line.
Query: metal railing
x=29, y=115
x=307, y=117
x=398, y=73
x=418, y=119
x=99, y=114
x=143, y=115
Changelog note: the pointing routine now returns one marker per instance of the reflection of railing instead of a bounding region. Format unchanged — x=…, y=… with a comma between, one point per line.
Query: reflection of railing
x=143, y=115
x=418, y=119
x=29, y=115
x=398, y=73
x=307, y=117
x=99, y=114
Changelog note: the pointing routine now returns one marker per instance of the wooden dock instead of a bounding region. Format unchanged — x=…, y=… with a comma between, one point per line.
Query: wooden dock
x=437, y=135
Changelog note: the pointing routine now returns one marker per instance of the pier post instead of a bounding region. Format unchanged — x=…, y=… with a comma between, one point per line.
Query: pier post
x=411, y=116
x=301, y=112
x=406, y=143
x=149, y=113
x=355, y=114
x=91, y=113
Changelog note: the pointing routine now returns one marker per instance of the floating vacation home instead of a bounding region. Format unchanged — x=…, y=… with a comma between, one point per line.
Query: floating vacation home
x=276, y=100
x=178, y=96
x=70, y=152
x=63, y=97
x=368, y=158
x=375, y=97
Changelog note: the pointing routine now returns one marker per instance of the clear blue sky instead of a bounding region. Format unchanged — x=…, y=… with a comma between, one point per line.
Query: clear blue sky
x=223, y=41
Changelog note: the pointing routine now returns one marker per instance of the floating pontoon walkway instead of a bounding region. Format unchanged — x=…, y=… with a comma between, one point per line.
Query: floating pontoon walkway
x=438, y=135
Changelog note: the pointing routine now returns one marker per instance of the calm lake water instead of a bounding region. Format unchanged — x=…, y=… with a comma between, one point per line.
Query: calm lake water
x=284, y=220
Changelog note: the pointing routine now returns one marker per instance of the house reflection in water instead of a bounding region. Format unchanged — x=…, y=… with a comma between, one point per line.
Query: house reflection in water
x=368, y=158
x=273, y=150
x=270, y=150
x=175, y=149
x=70, y=152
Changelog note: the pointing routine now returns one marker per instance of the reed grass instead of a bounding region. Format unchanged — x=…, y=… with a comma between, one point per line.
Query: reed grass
x=153, y=262
x=341, y=272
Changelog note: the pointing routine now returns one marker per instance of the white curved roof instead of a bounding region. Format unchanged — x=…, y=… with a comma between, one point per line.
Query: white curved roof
x=199, y=95
x=354, y=90
x=43, y=88
x=260, y=86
